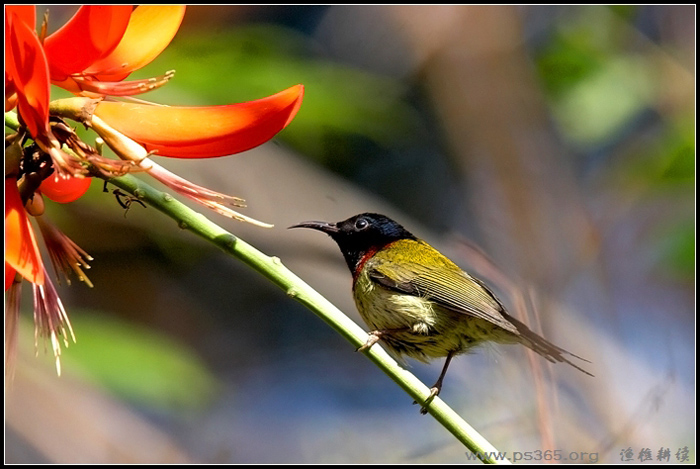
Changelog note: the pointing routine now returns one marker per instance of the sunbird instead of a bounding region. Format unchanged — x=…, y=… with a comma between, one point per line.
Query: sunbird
x=418, y=302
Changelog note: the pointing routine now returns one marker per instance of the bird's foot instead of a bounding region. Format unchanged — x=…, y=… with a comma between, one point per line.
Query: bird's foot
x=373, y=338
x=434, y=391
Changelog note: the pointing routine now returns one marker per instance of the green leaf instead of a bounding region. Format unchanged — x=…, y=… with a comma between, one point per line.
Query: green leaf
x=677, y=247
x=138, y=363
x=597, y=108
x=667, y=162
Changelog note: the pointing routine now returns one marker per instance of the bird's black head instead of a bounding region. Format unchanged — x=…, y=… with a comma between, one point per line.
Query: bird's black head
x=361, y=235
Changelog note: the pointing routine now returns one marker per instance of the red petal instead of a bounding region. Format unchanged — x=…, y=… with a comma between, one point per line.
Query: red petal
x=92, y=33
x=10, y=93
x=9, y=275
x=21, y=250
x=203, y=132
x=64, y=190
x=26, y=65
x=26, y=13
x=151, y=28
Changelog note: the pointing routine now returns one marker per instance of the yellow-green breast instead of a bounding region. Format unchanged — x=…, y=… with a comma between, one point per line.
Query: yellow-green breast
x=424, y=328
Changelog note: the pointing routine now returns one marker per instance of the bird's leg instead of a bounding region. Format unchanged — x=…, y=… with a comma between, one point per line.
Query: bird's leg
x=375, y=336
x=435, y=390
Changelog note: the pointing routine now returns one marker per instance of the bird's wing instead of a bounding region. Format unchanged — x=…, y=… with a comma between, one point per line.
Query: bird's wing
x=450, y=288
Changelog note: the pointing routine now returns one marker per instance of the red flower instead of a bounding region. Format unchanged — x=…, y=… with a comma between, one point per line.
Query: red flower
x=102, y=44
x=27, y=84
x=92, y=55
x=22, y=258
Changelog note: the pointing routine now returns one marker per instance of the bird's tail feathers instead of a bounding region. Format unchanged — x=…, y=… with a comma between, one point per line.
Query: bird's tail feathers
x=544, y=347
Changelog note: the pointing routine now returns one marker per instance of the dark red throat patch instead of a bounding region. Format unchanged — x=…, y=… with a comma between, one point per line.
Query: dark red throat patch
x=365, y=257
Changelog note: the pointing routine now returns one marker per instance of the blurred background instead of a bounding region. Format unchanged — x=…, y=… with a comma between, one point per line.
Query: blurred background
x=549, y=150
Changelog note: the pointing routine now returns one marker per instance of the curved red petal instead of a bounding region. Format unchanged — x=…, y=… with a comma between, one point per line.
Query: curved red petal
x=92, y=33
x=21, y=250
x=151, y=28
x=27, y=68
x=203, y=132
x=64, y=190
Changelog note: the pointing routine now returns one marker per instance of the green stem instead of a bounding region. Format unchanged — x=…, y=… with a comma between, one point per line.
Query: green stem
x=273, y=269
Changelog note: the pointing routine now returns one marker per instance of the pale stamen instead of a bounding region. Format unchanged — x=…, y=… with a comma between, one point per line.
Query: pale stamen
x=122, y=88
x=50, y=319
x=11, y=321
x=128, y=149
x=216, y=201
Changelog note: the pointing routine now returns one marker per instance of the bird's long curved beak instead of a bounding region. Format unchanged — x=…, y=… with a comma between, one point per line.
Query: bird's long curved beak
x=328, y=228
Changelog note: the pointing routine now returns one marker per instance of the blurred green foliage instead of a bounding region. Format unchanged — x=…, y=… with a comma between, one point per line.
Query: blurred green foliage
x=254, y=61
x=138, y=363
x=568, y=58
x=596, y=83
x=676, y=155
x=677, y=247
x=600, y=74
x=666, y=167
x=668, y=162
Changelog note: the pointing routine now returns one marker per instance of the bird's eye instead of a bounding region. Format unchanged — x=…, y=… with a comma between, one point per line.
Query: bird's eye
x=361, y=224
